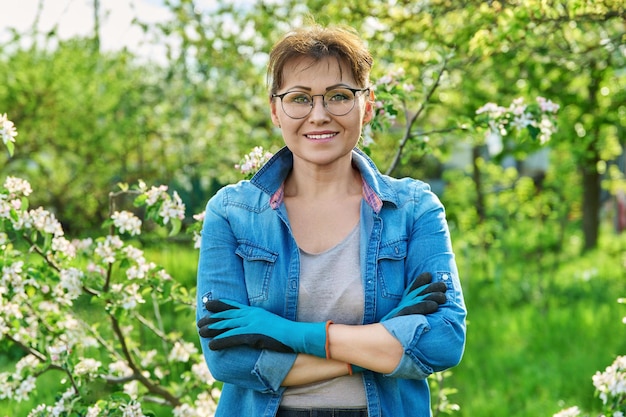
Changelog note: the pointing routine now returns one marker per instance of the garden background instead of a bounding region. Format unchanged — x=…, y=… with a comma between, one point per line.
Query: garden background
x=536, y=219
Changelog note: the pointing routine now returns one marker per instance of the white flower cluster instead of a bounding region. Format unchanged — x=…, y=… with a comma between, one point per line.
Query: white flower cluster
x=19, y=384
x=108, y=248
x=253, y=161
x=61, y=408
x=126, y=222
x=204, y=406
x=181, y=352
x=197, y=234
x=568, y=412
x=132, y=409
x=518, y=116
x=7, y=129
x=17, y=187
x=611, y=384
x=42, y=274
x=172, y=208
x=87, y=366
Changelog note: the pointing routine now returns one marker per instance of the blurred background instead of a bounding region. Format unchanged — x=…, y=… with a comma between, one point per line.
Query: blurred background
x=174, y=92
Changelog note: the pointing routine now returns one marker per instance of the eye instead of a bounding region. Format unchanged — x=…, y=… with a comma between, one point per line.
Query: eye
x=297, y=98
x=339, y=95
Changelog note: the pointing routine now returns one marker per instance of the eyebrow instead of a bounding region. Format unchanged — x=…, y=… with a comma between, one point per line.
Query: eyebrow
x=301, y=87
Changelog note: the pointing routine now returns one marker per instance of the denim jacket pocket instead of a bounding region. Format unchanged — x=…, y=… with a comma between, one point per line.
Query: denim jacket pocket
x=258, y=264
x=391, y=256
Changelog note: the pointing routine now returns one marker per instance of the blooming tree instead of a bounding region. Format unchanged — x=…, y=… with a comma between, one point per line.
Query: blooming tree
x=90, y=311
x=536, y=120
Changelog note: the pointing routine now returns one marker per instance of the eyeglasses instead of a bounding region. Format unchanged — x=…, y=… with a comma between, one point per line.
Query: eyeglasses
x=338, y=102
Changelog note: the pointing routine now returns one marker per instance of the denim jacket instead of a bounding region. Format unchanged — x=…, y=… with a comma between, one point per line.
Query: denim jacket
x=248, y=254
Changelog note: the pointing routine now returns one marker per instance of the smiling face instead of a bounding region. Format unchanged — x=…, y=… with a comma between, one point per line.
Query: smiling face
x=320, y=138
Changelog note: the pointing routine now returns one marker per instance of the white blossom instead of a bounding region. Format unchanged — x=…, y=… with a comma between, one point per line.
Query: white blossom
x=172, y=208
x=253, y=161
x=125, y=221
x=120, y=369
x=132, y=409
x=612, y=382
x=45, y=222
x=17, y=186
x=7, y=129
x=568, y=412
x=154, y=194
x=132, y=389
x=87, y=366
x=547, y=106
x=201, y=370
x=181, y=352
x=93, y=411
x=62, y=245
x=107, y=249
x=130, y=295
x=197, y=240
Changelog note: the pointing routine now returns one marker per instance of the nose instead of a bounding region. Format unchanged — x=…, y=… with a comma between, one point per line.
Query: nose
x=318, y=112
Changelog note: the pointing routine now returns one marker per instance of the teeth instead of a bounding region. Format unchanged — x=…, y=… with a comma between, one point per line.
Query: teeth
x=324, y=136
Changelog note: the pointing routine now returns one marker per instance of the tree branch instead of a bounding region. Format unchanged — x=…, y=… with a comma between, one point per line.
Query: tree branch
x=410, y=119
x=137, y=374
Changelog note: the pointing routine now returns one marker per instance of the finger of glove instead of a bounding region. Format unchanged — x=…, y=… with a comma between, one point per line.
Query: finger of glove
x=422, y=279
x=434, y=287
x=210, y=333
x=256, y=341
x=220, y=305
x=424, y=307
x=438, y=297
x=427, y=289
x=204, y=321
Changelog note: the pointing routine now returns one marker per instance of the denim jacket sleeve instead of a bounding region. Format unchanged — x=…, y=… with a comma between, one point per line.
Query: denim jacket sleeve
x=221, y=275
x=434, y=342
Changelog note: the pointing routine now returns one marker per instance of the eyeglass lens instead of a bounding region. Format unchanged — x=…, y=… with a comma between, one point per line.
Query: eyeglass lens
x=298, y=104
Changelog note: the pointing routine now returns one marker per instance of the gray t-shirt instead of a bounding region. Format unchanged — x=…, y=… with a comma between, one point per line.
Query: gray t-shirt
x=331, y=289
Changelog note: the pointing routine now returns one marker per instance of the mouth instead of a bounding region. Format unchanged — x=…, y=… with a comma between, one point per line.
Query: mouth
x=320, y=136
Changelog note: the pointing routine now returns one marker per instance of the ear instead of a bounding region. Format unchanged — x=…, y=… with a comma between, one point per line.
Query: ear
x=369, y=108
x=274, y=114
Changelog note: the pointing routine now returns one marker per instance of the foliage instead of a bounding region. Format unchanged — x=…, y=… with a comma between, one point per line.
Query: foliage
x=185, y=123
x=91, y=311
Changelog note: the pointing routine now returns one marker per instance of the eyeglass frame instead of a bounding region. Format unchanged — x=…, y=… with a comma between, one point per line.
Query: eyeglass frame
x=353, y=90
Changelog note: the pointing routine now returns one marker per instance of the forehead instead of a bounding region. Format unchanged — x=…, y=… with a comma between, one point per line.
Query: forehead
x=309, y=72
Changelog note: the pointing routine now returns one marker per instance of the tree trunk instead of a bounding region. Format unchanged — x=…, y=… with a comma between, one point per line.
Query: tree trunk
x=591, y=206
x=478, y=184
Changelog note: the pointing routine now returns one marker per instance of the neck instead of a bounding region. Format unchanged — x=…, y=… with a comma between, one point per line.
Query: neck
x=317, y=182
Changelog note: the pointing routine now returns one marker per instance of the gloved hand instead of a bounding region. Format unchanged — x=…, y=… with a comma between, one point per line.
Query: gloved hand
x=422, y=297
x=235, y=324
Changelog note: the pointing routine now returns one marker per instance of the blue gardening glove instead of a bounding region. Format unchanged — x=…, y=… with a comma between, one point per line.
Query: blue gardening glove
x=422, y=297
x=235, y=324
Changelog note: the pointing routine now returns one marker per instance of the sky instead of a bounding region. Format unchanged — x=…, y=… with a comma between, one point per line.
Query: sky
x=76, y=17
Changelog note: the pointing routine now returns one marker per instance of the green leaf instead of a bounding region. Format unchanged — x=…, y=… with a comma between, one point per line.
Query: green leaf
x=176, y=226
x=140, y=200
x=10, y=148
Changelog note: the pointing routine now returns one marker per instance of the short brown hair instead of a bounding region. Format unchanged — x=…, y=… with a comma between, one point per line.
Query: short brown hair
x=317, y=42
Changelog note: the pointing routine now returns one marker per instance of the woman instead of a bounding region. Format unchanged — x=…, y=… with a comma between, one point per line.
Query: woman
x=324, y=287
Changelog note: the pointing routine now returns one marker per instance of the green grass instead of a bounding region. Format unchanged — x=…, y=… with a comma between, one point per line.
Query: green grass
x=536, y=355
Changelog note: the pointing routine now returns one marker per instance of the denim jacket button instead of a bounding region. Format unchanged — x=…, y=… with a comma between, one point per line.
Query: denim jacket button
x=445, y=277
x=205, y=299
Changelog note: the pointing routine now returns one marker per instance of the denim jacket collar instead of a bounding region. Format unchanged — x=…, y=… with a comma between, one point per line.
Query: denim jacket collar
x=376, y=189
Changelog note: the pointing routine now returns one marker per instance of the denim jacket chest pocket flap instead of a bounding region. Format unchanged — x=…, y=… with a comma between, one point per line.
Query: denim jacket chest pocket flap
x=391, y=267
x=258, y=264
